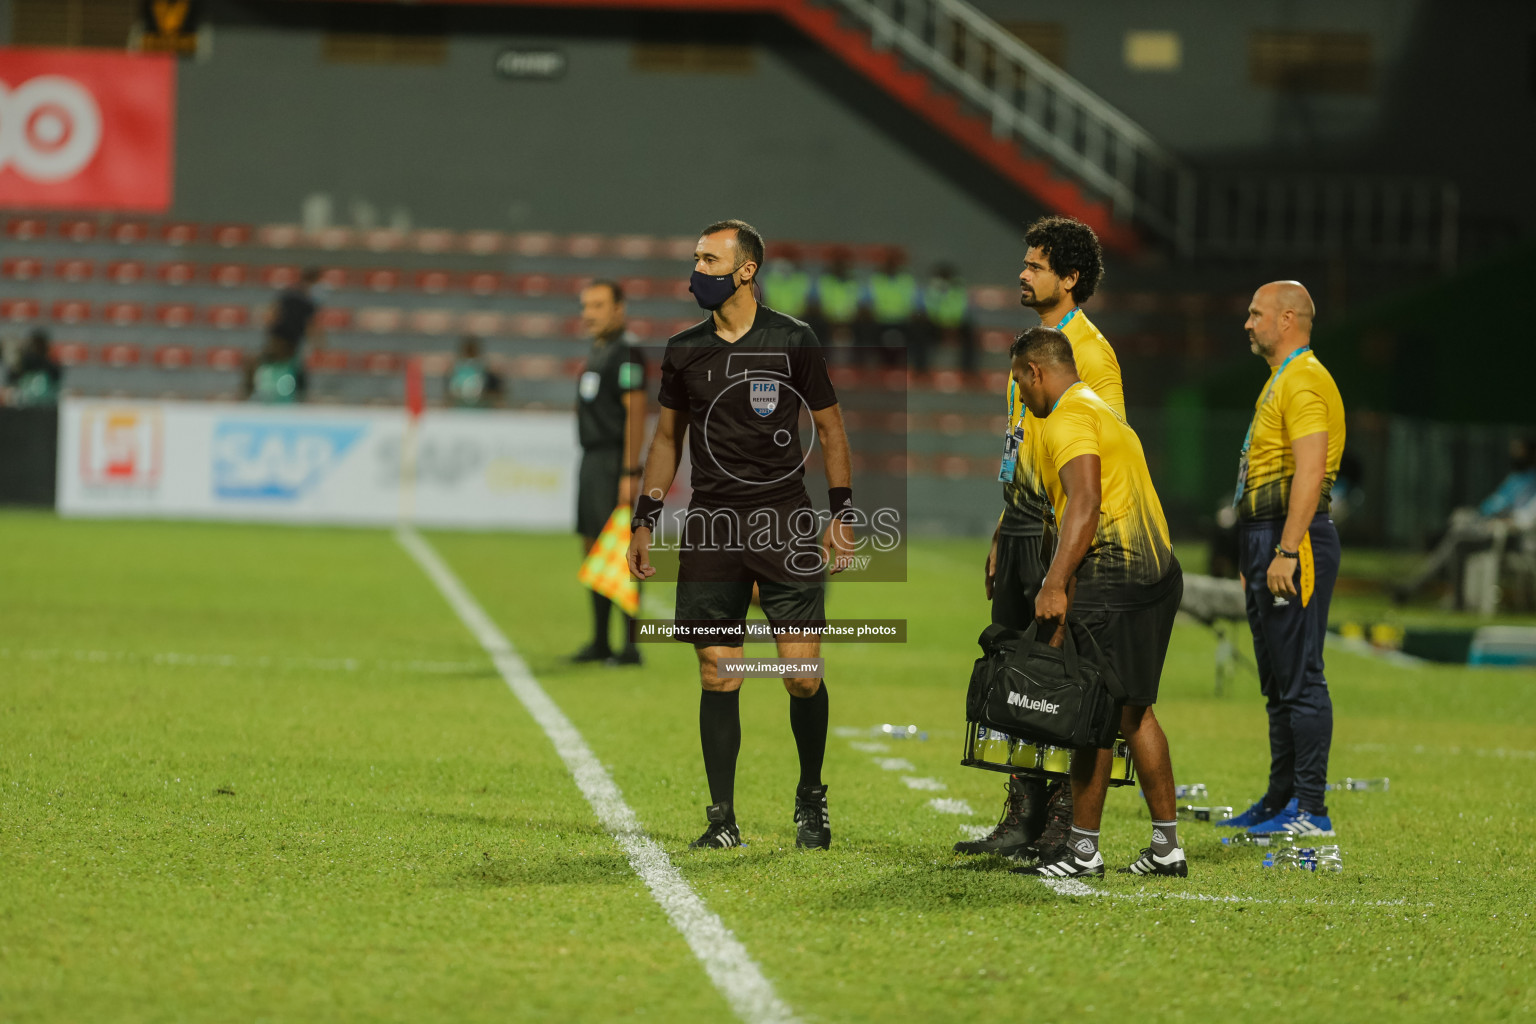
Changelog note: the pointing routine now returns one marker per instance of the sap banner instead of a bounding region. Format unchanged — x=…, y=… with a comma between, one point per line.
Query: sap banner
x=316, y=464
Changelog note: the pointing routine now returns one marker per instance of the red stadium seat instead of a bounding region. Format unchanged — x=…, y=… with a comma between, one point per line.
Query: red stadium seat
x=381, y=279
x=19, y=310
x=329, y=360
x=77, y=230
x=535, y=367
x=996, y=341
x=993, y=297
x=334, y=277
x=334, y=238
x=71, y=311
x=279, y=236
x=278, y=275
x=432, y=240
x=70, y=353
x=636, y=287
x=572, y=367
x=227, y=316
x=25, y=229
x=380, y=362
x=122, y=314
x=230, y=236
x=432, y=321
x=333, y=319
x=74, y=270
x=585, y=246
x=533, y=284
x=224, y=358
x=128, y=232
x=176, y=273
x=178, y=233
x=640, y=328
x=433, y=282
x=125, y=271
x=229, y=275
x=384, y=240
x=677, y=288
x=21, y=268
x=174, y=357
x=534, y=325
x=574, y=284
x=175, y=314
x=121, y=353
x=634, y=247
x=679, y=248
x=483, y=282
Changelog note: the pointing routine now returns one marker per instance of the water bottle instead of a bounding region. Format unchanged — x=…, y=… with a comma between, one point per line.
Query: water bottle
x=1277, y=839
x=1361, y=785
x=1193, y=812
x=1324, y=859
x=1189, y=792
x=899, y=732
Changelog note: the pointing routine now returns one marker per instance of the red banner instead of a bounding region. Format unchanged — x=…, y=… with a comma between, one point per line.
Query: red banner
x=83, y=130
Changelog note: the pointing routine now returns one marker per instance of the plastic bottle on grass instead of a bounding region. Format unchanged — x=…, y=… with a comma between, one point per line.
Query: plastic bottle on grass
x=899, y=732
x=1190, y=792
x=1195, y=812
x=1276, y=839
x=1361, y=785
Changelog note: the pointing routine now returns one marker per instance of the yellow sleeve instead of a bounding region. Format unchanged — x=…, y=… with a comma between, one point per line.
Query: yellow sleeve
x=1100, y=370
x=1069, y=433
x=1306, y=413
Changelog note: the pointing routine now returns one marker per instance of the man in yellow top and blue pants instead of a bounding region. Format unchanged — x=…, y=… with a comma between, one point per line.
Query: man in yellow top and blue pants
x=1290, y=556
x=1063, y=264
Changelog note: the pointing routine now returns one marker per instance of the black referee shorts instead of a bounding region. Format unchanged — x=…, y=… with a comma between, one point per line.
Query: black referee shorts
x=726, y=551
x=597, y=489
x=1133, y=627
x=1021, y=566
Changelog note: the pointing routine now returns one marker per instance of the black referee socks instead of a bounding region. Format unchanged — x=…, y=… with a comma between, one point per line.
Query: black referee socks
x=808, y=721
x=720, y=735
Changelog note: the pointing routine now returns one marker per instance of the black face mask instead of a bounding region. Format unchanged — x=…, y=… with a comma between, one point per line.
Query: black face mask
x=711, y=291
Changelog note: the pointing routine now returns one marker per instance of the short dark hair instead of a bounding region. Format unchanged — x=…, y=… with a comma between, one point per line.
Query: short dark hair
x=614, y=288
x=1069, y=245
x=748, y=242
x=1043, y=346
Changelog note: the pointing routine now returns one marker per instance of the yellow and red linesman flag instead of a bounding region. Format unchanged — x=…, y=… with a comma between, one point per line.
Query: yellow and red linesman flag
x=606, y=569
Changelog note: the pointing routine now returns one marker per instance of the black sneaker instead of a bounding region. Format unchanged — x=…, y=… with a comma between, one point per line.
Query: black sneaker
x=592, y=652
x=1051, y=844
x=1150, y=863
x=722, y=833
x=813, y=827
x=1066, y=866
x=628, y=656
x=1022, y=821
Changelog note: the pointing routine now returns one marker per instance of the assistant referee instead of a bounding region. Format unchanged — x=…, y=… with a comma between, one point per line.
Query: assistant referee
x=1289, y=555
x=735, y=385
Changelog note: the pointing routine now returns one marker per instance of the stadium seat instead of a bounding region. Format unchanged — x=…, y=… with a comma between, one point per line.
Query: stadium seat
x=19, y=310
x=226, y=316
x=328, y=360
x=571, y=368
x=75, y=230
x=381, y=279
x=384, y=240
x=334, y=277
x=122, y=314
x=175, y=314
x=21, y=268
x=634, y=247
x=534, y=243
x=433, y=282
x=224, y=358
x=70, y=353
x=230, y=236
x=178, y=233
x=995, y=341
x=482, y=323
x=229, y=275
x=176, y=273
x=636, y=287
x=74, y=271
x=380, y=319
x=125, y=271
x=279, y=236
x=120, y=354
x=71, y=311
x=533, y=285
x=431, y=321
x=25, y=229
x=584, y=246
x=483, y=243
x=379, y=362
x=533, y=325
x=128, y=232
x=639, y=327
x=174, y=357
x=432, y=240
x=278, y=275
x=483, y=282
x=334, y=319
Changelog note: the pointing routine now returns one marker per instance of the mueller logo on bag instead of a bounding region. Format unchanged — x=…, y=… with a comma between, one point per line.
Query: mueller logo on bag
x=85, y=131
x=1019, y=700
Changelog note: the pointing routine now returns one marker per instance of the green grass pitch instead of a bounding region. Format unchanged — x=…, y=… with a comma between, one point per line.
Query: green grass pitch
x=262, y=773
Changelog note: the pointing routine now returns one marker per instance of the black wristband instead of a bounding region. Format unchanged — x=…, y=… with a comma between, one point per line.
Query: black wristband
x=1287, y=554
x=841, y=501
x=647, y=509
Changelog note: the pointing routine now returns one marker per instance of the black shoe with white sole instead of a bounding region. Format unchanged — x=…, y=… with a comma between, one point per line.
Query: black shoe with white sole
x=1067, y=866
x=813, y=825
x=1150, y=863
x=722, y=833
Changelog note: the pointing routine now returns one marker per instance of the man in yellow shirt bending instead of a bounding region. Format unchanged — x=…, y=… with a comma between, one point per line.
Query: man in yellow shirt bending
x=1114, y=572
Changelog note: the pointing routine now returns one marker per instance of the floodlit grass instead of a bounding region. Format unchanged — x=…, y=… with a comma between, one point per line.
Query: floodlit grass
x=264, y=773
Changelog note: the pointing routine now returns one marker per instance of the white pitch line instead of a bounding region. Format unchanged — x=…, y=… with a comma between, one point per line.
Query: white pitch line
x=727, y=961
x=1074, y=887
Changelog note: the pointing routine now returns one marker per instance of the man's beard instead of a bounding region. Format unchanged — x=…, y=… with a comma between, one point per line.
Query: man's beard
x=1257, y=347
x=1030, y=299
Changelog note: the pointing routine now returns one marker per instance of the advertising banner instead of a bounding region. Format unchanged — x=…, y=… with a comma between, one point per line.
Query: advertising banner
x=313, y=464
x=86, y=130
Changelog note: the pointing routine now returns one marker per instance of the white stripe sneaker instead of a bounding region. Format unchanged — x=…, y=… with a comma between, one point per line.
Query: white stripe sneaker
x=1150, y=863
x=1067, y=867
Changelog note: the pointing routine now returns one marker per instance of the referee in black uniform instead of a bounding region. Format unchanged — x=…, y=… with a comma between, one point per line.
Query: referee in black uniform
x=610, y=418
x=735, y=385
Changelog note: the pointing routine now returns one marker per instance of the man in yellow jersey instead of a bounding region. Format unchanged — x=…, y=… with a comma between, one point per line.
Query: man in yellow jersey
x=1063, y=264
x=1289, y=555
x=1115, y=574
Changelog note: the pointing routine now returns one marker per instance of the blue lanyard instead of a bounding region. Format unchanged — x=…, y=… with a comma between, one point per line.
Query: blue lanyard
x=1063, y=395
x=1248, y=441
x=1011, y=383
